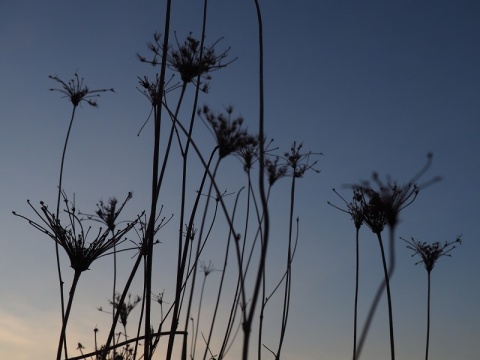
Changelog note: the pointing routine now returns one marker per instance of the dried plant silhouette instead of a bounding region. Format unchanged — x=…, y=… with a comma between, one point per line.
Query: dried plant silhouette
x=200, y=219
x=378, y=206
x=218, y=207
x=355, y=210
x=429, y=254
x=74, y=239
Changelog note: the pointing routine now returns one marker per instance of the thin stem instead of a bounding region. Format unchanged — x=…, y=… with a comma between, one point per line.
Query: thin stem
x=389, y=297
x=62, y=340
x=121, y=300
x=266, y=221
x=192, y=355
x=220, y=287
x=155, y=186
x=355, y=306
x=378, y=295
x=57, y=253
x=288, y=278
x=428, y=316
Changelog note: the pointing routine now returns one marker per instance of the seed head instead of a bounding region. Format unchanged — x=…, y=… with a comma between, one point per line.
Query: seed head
x=430, y=253
x=230, y=136
x=77, y=92
x=73, y=237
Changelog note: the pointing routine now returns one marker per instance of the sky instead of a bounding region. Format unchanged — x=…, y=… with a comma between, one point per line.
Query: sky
x=372, y=85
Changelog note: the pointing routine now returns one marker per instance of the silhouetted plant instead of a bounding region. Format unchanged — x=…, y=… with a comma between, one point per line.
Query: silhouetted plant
x=124, y=308
x=194, y=62
x=355, y=210
x=189, y=59
x=381, y=207
x=76, y=92
x=429, y=254
x=73, y=239
x=275, y=170
x=228, y=132
x=107, y=214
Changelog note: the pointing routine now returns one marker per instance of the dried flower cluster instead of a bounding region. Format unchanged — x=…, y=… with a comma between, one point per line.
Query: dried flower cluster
x=189, y=59
x=73, y=237
x=108, y=213
x=77, y=92
x=299, y=162
x=229, y=134
x=381, y=207
x=354, y=208
x=430, y=253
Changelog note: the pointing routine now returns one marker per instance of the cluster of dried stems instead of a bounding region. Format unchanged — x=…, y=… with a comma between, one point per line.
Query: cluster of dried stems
x=182, y=331
x=378, y=206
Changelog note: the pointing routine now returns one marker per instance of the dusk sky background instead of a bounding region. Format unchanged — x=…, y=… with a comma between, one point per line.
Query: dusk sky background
x=373, y=85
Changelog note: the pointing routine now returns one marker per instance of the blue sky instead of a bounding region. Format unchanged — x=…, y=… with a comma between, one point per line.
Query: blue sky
x=373, y=85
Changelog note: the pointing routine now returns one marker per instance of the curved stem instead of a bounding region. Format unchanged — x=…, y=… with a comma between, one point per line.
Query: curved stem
x=57, y=254
x=266, y=224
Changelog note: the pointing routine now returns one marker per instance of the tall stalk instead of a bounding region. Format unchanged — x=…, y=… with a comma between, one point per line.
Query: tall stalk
x=428, y=316
x=73, y=287
x=248, y=319
x=355, y=306
x=155, y=187
x=288, y=278
x=429, y=254
x=59, y=194
x=389, y=297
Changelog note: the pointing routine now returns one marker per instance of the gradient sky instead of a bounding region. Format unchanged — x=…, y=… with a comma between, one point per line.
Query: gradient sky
x=373, y=85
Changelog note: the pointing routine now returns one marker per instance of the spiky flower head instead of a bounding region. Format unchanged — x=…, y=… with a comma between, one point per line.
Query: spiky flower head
x=108, y=213
x=73, y=237
x=230, y=136
x=76, y=91
x=207, y=269
x=298, y=161
x=125, y=308
x=430, y=253
x=190, y=59
x=354, y=208
x=275, y=170
x=381, y=206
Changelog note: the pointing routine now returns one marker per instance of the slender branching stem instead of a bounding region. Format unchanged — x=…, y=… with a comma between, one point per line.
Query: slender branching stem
x=219, y=292
x=288, y=278
x=121, y=300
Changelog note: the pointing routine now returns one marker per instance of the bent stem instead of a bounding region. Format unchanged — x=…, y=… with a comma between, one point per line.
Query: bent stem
x=247, y=323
